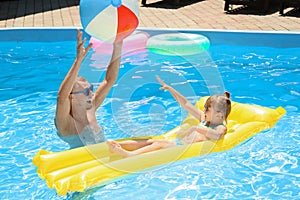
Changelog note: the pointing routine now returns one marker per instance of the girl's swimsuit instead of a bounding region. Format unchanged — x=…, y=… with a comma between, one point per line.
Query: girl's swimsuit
x=202, y=124
x=178, y=141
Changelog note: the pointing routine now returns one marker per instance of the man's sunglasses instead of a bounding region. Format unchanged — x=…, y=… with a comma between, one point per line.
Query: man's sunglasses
x=85, y=91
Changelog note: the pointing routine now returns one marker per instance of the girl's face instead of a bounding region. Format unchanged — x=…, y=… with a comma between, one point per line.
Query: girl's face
x=217, y=108
x=213, y=115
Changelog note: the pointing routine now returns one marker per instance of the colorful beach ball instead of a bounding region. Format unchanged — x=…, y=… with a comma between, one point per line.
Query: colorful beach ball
x=109, y=20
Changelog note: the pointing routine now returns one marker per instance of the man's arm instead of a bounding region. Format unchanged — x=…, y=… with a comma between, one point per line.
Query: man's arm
x=111, y=75
x=63, y=101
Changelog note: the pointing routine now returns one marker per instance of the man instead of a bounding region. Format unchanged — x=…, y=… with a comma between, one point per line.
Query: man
x=75, y=117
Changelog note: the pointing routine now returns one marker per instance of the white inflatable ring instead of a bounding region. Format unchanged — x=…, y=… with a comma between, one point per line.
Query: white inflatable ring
x=178, y=44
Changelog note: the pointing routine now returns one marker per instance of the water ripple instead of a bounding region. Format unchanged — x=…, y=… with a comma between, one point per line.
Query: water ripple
x=263, y=167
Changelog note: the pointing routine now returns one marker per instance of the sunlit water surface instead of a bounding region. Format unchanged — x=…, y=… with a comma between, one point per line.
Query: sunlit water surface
x=264, y=167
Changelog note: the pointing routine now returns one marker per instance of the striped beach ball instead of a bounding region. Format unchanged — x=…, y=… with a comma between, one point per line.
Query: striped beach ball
x=109, y=20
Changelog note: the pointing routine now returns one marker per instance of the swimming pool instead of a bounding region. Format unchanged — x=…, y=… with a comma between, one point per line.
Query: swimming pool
x=259, y=68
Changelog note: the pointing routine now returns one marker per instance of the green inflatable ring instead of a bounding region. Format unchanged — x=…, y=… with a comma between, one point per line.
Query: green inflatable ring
x=178, y=44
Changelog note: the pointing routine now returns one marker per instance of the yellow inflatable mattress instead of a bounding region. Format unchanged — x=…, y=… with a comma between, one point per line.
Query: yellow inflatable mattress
x=93, y=165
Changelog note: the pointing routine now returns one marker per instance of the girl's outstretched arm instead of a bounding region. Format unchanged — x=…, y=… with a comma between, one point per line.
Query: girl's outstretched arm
x=182, y=100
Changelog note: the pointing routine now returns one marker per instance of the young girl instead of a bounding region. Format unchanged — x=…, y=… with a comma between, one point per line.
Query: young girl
x=212, y=126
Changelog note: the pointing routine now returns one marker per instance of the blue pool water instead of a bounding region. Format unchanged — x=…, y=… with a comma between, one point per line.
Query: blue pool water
x=264, y=167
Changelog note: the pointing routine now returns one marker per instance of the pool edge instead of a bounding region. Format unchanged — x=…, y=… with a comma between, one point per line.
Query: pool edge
x=280, y=39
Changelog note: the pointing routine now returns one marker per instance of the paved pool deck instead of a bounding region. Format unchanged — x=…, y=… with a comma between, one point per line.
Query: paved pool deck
x=188, y=14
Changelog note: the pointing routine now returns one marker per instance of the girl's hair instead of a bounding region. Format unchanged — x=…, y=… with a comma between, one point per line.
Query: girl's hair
x=220, y=102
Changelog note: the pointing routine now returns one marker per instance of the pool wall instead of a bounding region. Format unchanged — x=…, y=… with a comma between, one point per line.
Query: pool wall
x=278, y=39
